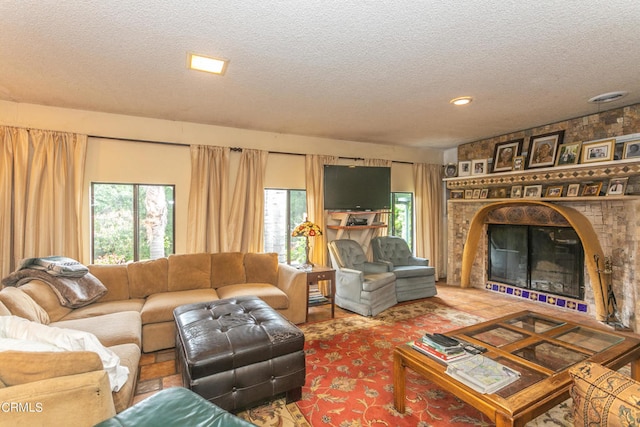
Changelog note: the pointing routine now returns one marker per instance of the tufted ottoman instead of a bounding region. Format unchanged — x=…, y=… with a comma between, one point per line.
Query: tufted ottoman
x=239, y=352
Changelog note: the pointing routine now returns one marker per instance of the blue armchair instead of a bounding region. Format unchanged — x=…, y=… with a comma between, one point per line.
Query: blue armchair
x=366, y=288
x=414, y=278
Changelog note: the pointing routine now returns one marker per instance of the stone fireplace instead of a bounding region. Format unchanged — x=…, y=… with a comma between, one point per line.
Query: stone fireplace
x=607, y=228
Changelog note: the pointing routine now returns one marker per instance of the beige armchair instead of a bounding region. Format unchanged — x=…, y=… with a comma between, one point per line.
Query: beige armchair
x=366, y=288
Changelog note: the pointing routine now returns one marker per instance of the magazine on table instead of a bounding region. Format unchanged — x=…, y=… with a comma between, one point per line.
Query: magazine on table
x=482, y=374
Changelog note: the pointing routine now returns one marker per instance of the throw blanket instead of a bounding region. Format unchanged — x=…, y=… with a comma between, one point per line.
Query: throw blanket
x=55, y=265
x=72, y=292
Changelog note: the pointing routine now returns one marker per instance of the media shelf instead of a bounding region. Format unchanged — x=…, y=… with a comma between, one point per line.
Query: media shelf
x=337, y=224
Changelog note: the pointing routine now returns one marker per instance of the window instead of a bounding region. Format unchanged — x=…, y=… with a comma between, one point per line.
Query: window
x=131, y=222
x=401, y=224
x=284, y=209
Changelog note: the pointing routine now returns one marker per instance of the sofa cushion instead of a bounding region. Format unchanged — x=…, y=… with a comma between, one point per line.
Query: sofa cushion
x=159, y=307
x=189, y=271
x=147, y=277
x=22, y=305
x=603, y=397
x=46, y=298
x=273, y=296
x=227, y=268
x=111, y=329
x=115, y=278
x=261, y=268
x=108, y=307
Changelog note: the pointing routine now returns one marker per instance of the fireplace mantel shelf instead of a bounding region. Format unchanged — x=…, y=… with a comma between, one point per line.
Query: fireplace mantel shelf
x=550, y=199
x=561, y=174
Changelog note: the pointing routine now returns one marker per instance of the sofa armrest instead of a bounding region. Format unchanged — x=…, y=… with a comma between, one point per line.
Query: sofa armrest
x=75, y=400
x=22, y=367
x=293, y=282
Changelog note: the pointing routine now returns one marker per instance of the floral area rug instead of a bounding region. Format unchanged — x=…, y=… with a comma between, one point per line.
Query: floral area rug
x=350, y=376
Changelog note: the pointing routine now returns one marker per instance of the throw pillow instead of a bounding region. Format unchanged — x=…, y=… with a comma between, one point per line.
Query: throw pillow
x=21, y=304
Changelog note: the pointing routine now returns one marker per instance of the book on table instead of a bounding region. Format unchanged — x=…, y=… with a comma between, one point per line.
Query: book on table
x=442, y=344
x=482, y=374
x=434, y=353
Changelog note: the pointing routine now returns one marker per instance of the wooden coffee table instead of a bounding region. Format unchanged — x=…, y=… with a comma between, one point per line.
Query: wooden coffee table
x=542, y=348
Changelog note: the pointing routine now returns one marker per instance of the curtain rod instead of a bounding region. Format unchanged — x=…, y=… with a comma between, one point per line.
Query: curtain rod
x=236, y=149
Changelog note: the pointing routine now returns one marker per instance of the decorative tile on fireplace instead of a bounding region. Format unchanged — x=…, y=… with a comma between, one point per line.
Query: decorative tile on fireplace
x=541, y=297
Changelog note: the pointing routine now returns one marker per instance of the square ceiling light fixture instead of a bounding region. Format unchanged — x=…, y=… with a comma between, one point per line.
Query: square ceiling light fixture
x=207, y=64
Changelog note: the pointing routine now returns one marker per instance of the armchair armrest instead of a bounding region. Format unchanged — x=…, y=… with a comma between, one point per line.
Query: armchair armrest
x=376, y=267
x=414, y=260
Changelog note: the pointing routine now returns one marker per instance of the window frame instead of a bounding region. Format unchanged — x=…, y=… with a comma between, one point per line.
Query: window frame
x=135, y=212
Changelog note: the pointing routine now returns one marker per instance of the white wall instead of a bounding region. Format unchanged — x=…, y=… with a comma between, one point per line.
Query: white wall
x=110, y=160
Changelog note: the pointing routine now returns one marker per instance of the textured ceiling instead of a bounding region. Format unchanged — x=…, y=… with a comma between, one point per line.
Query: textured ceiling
x=378, y=71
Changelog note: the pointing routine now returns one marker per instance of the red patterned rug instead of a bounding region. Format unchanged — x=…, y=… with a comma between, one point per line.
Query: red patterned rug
x=350, y=375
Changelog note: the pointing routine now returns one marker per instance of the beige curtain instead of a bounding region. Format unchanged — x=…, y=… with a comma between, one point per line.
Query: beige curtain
x=382, y=217
x=428, y=185
x=208, y=210
x=41, y=180
x=247, y=208
x=314, y=181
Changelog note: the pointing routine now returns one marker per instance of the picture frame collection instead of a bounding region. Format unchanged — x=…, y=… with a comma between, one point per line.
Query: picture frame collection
x=548, y=150
x=615, y=187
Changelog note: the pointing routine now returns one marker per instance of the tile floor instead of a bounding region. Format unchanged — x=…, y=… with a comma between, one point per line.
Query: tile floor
x=158, y=370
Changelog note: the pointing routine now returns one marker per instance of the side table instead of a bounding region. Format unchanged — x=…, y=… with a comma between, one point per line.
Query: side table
x=316, y=274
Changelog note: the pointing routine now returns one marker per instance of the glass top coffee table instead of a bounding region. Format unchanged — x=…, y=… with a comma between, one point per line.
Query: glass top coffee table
x=542, y=348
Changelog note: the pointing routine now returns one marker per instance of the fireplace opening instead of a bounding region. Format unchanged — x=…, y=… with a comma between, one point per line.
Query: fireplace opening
x=543, y=258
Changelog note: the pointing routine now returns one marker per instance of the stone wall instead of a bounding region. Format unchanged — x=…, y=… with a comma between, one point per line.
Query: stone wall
x=616, y=221
x=607, y=124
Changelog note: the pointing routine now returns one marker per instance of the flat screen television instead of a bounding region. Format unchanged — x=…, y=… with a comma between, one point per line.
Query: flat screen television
x=357, y=188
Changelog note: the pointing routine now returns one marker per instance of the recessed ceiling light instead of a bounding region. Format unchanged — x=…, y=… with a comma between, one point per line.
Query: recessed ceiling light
x=463, y=100
x=608, y=97
x=207, y=64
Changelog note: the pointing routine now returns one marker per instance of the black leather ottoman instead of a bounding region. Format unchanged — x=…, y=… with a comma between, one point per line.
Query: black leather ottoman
x=239, y=352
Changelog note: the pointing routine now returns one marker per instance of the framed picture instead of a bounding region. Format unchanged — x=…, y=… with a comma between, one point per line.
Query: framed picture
x=617, y=186
x=631, y=149
x=568, y=154
x=457, y=194
x=592, y=189
x=468, y=194
x=484, y=193
x=618, y=150
x=504, y=154
x=531, y=191
x=554, y=191
x=450, y=170
x=479, y=167
x=597, y=151
x=518, y=163
x=542, y=149
x=573, y=190
x=464, y=168
x=516, y=192
x=476, y=193
x=501, y=193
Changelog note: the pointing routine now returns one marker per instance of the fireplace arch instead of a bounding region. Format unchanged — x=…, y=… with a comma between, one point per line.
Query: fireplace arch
x=580, y=224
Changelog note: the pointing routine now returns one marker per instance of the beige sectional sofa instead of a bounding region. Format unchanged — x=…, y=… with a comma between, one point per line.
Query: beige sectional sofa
x=136, y=314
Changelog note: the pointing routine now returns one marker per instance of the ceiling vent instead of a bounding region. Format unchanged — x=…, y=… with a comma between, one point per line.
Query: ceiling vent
x=608, y=97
